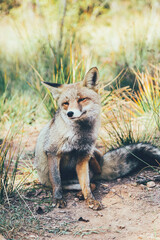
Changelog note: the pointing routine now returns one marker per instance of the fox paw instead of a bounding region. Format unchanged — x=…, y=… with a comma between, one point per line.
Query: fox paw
x=94, y=204
x=80, y=196
x=60, y=203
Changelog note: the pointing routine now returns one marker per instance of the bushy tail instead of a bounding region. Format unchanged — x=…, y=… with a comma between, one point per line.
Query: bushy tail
x=127, y=159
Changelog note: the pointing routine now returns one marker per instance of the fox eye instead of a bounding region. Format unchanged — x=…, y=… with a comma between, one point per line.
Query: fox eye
x=65, y=103
x=82, y=100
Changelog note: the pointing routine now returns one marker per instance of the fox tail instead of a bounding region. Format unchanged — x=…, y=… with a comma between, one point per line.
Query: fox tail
x=125, y=160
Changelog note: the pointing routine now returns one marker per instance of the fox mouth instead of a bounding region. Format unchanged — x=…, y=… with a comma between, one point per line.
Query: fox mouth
x=77, y=118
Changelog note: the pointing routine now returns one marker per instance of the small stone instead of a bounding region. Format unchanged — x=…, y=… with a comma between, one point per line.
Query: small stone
x=62, y=211
x=118, y=179
x=83, y=220
x=105, y=185
x=40, y=210
x=157, y=178
x=143, y=187
x=99, y=214
x=53, y=205
x=76, y=199
x=134, y=184
x=129, y=194
x=151, y=184
x=113, y=190
x=121, y=226
x=141, y=180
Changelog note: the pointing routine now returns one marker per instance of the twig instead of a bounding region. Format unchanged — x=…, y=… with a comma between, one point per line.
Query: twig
x=26, y=204
x=6, y=192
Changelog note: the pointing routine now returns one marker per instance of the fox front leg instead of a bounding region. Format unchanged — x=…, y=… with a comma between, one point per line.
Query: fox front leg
x=55, y=179
x=82, y=169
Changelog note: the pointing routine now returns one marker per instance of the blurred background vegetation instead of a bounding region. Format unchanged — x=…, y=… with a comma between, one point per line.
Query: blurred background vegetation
x=59, y=40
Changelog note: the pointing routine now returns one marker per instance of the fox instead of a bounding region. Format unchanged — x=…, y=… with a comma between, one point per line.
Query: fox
x=66, y=150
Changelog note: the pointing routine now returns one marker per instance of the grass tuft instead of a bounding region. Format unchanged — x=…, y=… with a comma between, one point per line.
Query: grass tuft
x=9, y=159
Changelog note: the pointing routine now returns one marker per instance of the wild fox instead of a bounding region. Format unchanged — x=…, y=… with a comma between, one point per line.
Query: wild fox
x=66, y=146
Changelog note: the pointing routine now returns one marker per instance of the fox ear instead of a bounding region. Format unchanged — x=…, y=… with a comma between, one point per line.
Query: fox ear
x=54, y=88
x=91, y=78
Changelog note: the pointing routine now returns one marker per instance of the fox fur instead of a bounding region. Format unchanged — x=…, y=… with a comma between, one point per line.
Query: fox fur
x=66, y=146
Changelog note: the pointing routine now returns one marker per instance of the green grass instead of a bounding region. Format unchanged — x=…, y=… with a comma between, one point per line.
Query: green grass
x=71, y=69
x=18, y=218
x=20, y=110
x=9, y=159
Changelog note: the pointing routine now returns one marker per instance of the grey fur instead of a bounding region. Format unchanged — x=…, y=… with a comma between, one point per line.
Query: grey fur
x=69, y=139
x=66, y=143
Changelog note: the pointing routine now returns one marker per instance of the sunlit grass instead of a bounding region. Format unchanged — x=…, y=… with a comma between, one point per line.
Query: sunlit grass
x=20, y=109
x=119, y=37
x=128, y=39
x=146, y=101
x=129, y=116
x=72, y=69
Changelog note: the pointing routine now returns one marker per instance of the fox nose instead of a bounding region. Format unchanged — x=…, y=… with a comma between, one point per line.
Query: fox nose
x=70, y=114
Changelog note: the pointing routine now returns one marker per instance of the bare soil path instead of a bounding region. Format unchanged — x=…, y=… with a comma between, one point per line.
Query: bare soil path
x=131, y=210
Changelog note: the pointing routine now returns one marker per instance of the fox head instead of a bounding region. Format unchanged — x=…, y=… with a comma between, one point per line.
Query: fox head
x=77, y=101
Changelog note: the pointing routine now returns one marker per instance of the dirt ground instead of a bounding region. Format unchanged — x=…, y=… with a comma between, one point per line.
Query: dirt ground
x=131, y=210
